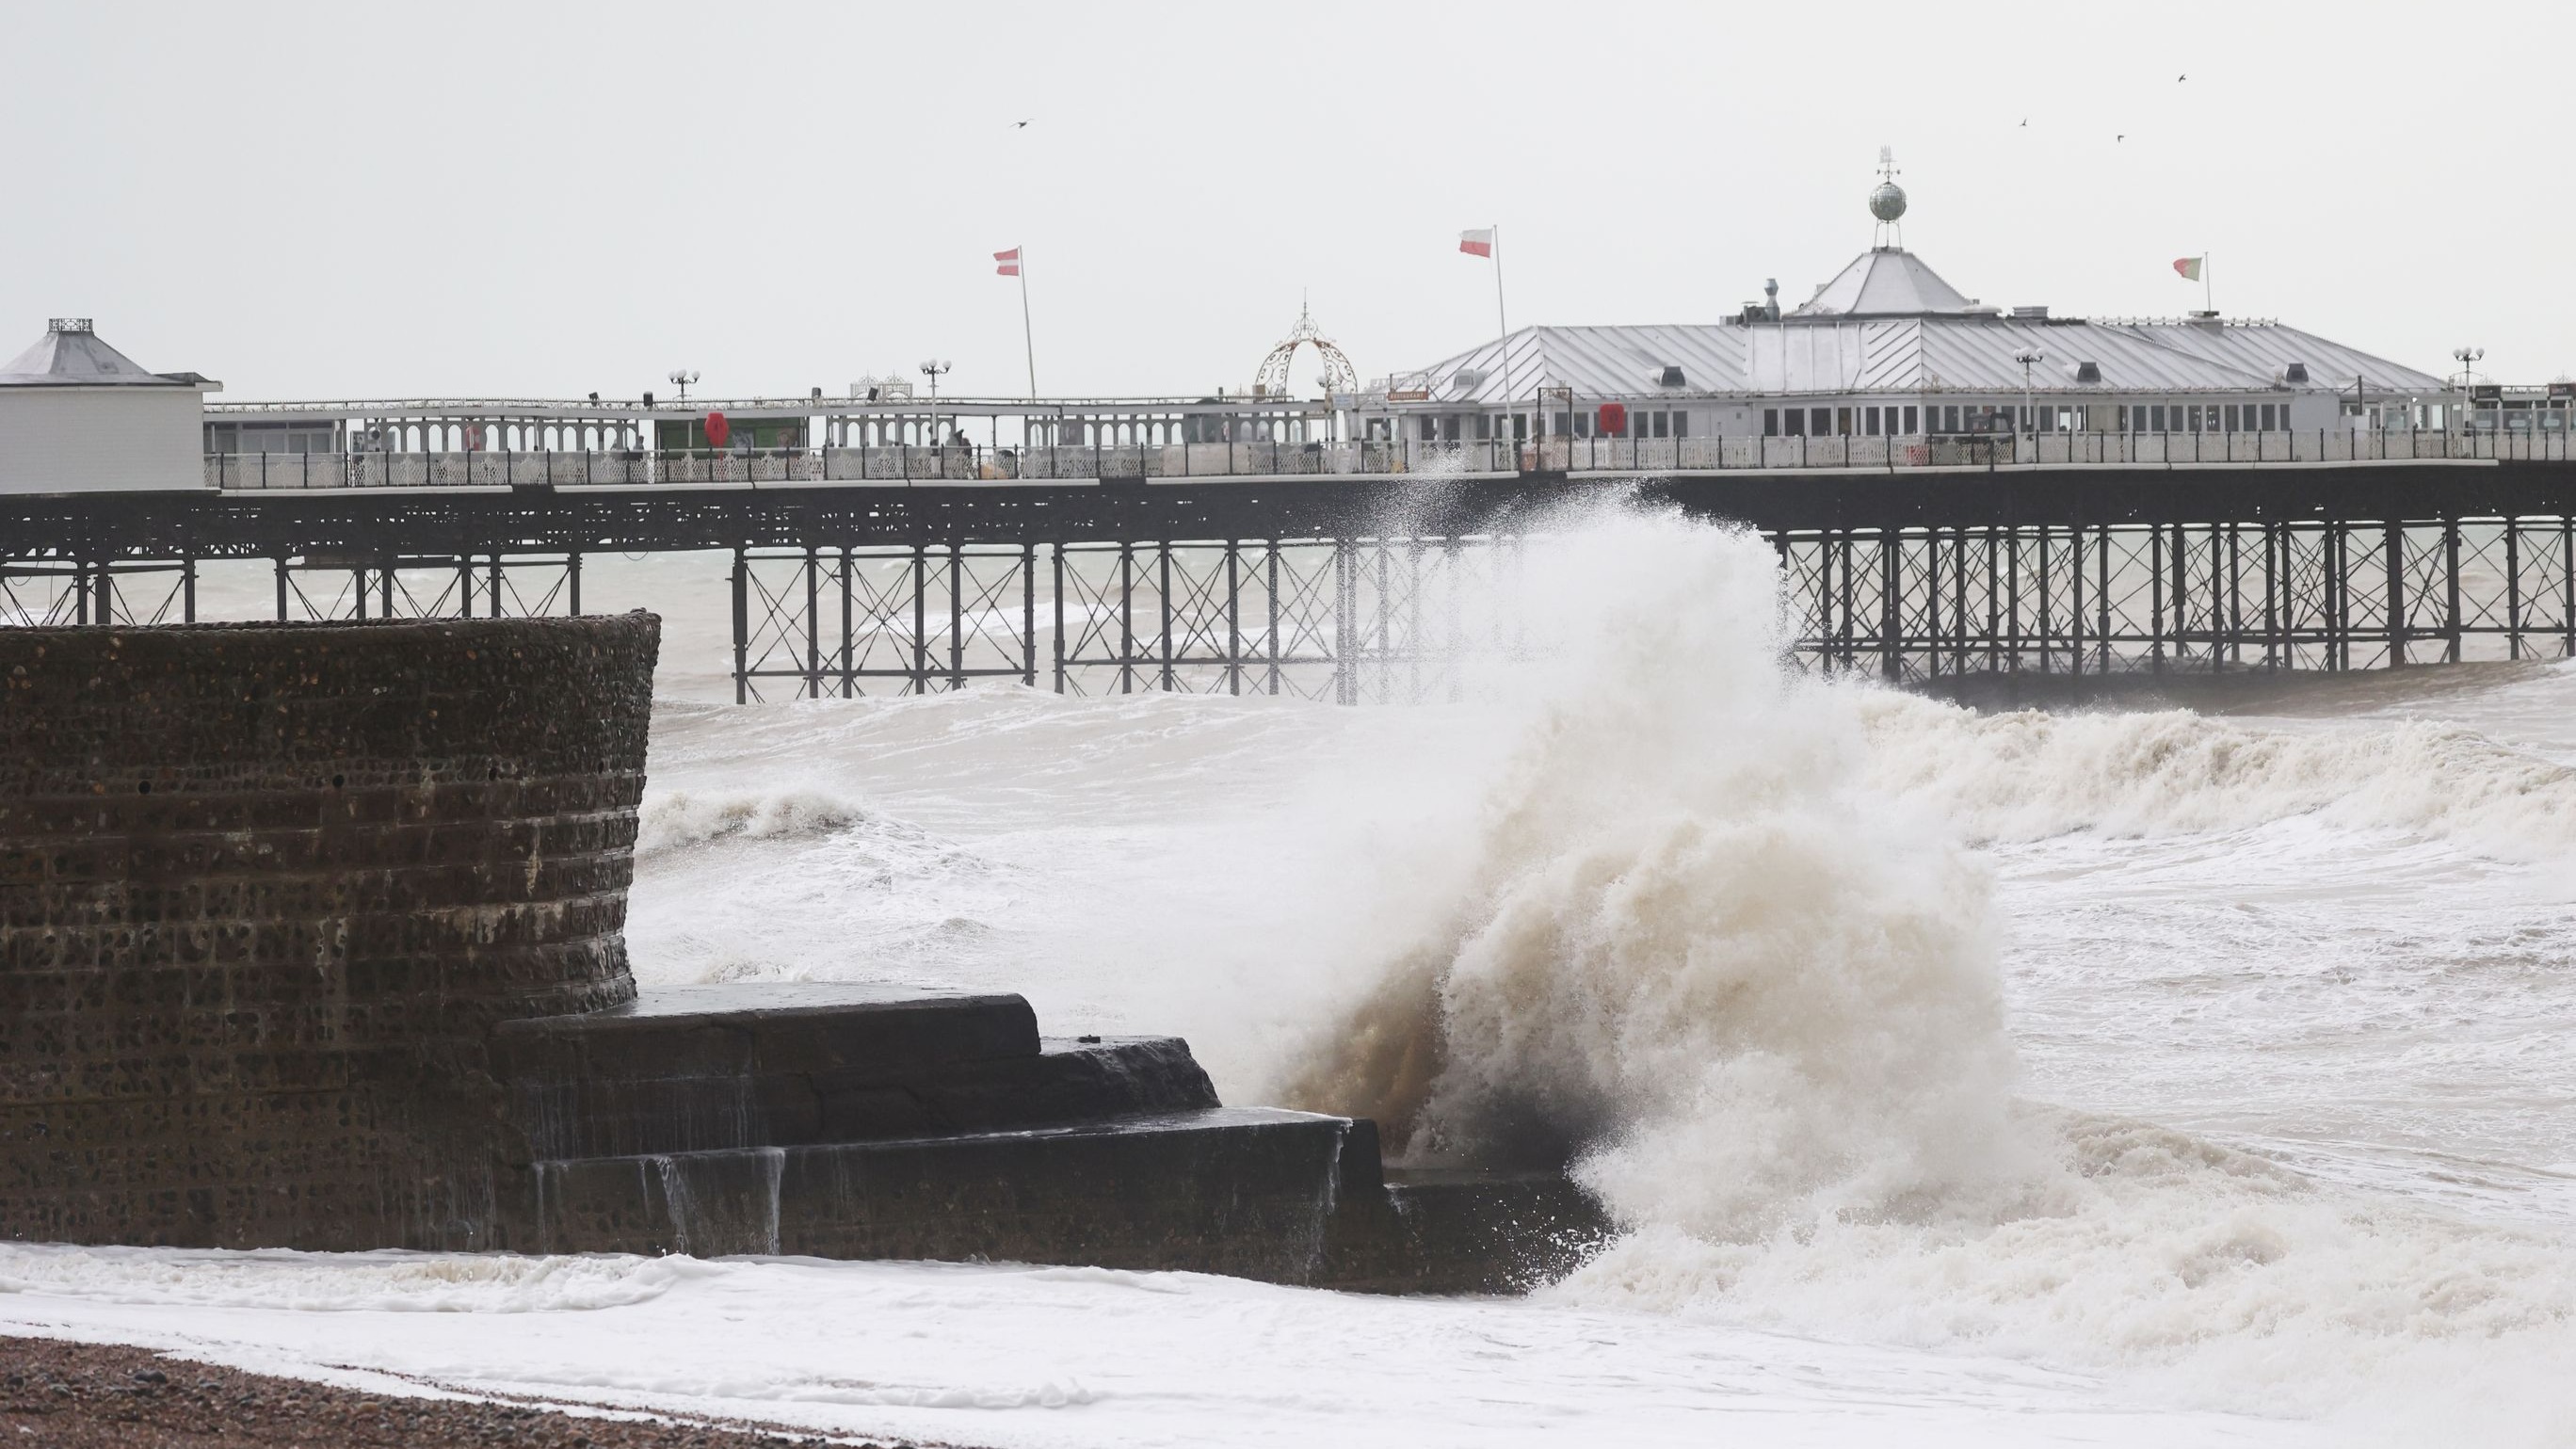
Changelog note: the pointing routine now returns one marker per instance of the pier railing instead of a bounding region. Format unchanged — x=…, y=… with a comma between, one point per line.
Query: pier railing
x=985, y=464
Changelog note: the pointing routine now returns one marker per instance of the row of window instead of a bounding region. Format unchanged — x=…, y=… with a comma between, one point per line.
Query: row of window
x=1893, y=421
x=1645, y=423
x=2208, y=417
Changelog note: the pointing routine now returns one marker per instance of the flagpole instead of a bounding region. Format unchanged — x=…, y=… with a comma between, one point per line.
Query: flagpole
x=2206, y=304
x=1026, y=340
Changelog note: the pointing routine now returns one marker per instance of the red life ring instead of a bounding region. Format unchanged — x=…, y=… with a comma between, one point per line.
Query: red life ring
x=718, y=430
x=1614, y=419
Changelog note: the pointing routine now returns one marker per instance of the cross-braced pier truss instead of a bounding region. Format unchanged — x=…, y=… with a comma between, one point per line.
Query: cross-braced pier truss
x=1923, y=604
x=1390, y=592
x=1347, y=620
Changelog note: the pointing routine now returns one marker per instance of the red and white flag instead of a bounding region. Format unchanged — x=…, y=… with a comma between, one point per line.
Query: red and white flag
x=1477, y=243
x=2189, y=267
x=1009, y=263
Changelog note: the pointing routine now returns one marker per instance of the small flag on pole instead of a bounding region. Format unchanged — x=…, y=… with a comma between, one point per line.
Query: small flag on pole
x=1477, y=243
x=1009, y=263
x=2188, y=268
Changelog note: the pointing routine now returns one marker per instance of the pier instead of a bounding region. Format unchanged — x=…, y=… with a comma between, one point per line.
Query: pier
x=1366, y=588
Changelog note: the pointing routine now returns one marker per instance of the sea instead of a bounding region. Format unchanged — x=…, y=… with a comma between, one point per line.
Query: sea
x=2190, y=1064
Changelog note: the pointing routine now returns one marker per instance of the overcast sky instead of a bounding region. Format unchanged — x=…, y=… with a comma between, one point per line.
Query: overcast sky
x=536, y=199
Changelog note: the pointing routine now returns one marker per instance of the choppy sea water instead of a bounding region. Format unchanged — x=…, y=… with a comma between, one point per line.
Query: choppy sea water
x=2104, y=1076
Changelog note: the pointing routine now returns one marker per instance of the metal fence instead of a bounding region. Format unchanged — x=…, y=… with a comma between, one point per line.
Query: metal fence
x=980, y=464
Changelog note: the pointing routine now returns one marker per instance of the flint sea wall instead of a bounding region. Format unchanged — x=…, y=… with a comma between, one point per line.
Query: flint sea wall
x=265, y=890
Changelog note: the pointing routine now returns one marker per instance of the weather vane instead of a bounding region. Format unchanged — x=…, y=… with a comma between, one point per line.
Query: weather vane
x=1887, y=202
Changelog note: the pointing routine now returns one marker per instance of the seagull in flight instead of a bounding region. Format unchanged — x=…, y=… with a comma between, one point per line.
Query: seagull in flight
x=2121, y=137
x=1021, y=125
x=2178, y=80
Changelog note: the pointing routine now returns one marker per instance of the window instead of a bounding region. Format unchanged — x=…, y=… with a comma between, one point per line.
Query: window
x=1770, y=422
x=1909, y=420
x=1520, y=426
x=1564, y=426
x=1484, y=427
x=1430, y=430
x=2231, y=417
x=1796, y=418
x=2269, y=417
x=2191, y=418
x=1681, y=423
x=1843, y=421
x=2157, y=415
x=1820, y=421
x=1869, y=420
x=1663, y=425
x=1950, y=417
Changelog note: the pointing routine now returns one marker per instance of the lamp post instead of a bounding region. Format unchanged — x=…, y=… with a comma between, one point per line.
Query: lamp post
x=2465, y=356
x=934, y=369
x=682, y=377
x=2027, y=361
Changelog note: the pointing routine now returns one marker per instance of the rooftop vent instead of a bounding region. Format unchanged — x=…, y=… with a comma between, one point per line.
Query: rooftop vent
x=2030, y=314
x=1468, y=379
x=2295, y=372
x=67, y=324
x=2088, y=372
x=1672, y=376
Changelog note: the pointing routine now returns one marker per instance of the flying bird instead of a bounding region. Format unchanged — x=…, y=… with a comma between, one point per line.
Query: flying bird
x=2121, y=137
x=1021, y=125
x=2025, y=121
x=2178, y=80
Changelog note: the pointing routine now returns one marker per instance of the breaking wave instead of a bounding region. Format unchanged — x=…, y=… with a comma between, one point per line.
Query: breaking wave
x=679, y=818
x=2029, y=775
x=1724, y=949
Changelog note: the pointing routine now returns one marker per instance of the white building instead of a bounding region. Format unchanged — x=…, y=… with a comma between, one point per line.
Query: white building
x=78, y=416
x=1888, y=348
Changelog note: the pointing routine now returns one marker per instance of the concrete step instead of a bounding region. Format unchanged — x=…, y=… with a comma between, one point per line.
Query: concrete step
x=1245, y=1191
x=873, y=1031
x=723, y=1068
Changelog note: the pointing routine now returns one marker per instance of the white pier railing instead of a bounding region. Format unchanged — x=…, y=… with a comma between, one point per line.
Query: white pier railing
x=962, y=464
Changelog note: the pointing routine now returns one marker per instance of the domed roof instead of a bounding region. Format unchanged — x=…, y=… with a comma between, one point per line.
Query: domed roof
x=1887, y=282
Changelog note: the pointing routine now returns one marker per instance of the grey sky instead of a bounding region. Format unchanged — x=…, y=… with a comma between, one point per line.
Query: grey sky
x=550, y=199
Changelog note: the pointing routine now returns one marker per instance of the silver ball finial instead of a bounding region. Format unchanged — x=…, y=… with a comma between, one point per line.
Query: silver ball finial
x=1887, y=203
